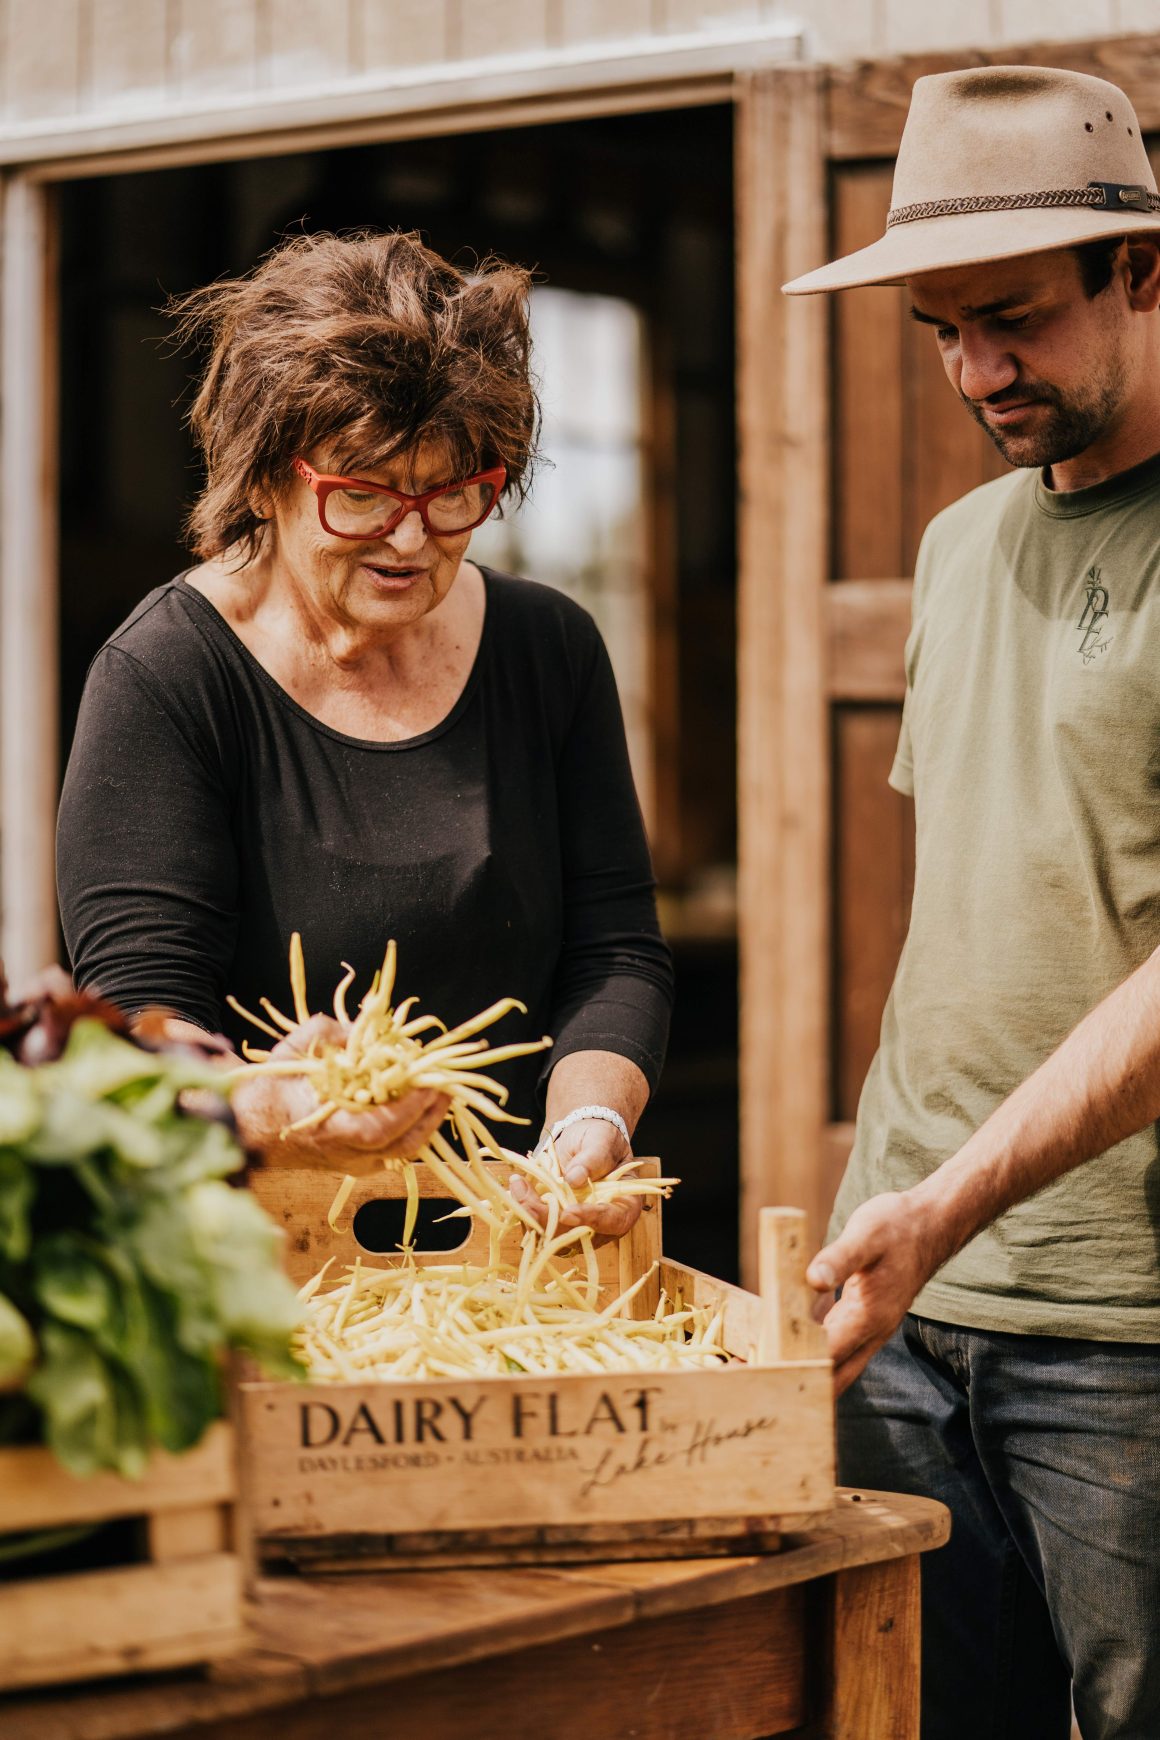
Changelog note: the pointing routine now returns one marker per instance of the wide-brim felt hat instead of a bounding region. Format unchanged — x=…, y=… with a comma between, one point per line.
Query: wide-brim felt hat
x=1001, y=161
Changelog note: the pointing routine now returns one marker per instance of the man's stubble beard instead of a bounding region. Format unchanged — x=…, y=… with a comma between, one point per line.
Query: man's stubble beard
x=1073, y=424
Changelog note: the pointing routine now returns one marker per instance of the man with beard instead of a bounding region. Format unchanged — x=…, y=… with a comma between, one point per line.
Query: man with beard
x=995, y=1239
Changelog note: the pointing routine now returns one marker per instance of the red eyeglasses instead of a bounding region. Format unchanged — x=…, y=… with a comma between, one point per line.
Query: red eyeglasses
x=349, y=507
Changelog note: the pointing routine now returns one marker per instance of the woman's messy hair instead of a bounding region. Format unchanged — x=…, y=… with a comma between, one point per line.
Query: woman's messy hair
x=365, y=345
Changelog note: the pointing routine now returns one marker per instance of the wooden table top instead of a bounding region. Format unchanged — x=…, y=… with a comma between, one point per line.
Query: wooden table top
x=313, y=1636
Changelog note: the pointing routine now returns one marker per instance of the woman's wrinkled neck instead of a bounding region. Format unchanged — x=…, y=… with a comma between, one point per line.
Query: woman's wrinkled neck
x=268, y=605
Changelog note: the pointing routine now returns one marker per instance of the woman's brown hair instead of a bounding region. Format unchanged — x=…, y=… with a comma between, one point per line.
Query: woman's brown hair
x=366, y=344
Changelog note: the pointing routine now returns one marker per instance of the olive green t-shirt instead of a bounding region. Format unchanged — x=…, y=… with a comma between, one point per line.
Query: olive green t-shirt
x=1031, y=743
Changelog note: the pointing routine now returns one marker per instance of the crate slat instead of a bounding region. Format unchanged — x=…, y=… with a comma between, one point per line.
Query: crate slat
x=457, y=1551
x=185, y=1534
x=788, y=1330
x=501, y=1452
x=640, y=1250
x=299, y=1198
x=36, y=1492
x=96, y=1623
x=743, y=1313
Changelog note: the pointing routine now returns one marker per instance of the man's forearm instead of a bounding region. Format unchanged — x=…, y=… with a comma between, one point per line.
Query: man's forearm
x=1100, y=1086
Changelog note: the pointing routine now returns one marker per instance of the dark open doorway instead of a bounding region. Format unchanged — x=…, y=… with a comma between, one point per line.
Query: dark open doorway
x=636, y=210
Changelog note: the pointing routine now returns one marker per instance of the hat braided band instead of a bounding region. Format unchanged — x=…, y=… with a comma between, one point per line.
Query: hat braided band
x=1105, y=195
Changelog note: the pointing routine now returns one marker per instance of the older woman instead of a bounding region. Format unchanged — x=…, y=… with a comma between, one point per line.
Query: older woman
x=336, y=723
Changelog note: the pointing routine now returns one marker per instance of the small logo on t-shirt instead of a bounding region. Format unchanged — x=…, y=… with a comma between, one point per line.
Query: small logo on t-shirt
x=1093, y=619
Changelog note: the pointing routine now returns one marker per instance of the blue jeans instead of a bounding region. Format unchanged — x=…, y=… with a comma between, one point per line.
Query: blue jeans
x=1047, y=1452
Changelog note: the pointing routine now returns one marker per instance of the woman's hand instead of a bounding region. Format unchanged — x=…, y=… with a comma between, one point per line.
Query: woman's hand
x=587, y=1150
x=353, y=1142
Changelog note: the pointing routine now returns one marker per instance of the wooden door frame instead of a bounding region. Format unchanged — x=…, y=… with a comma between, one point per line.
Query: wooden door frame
x=29, y=576
x=783, y=805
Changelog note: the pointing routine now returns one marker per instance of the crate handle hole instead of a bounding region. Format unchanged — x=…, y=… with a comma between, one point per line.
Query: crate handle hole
x=378, y=1226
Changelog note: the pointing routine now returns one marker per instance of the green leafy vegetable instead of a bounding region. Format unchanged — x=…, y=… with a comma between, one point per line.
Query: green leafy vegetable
x=128, y=1265
x=17, y=1345
x=20, y=1109
x=16, y=1192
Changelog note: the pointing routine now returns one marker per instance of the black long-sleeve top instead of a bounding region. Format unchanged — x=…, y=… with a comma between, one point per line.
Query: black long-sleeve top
x=206, y=816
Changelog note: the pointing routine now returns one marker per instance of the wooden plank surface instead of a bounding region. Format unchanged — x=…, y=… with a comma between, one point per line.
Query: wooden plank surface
x=605, y=1543
x=867, y=100
x=918, y=27
x=308, y=41
x=29, y=590
x=655, y=1680
x=788, y=1328
x=127, y=58
x=874, y=1685
x=40, y=60
x=56, y=1629
x=419, y=109
x=584, y=21
x=502, y=27
x=213, y=46
x=351, y=1632
x=402, y=34
x=874, y=876
x=691, y=15
x=354, y=1631
x=36, y=1492
x=386, y=1625
x=188, y=1532
x=136, y=1709
x=741, y=1324
x=867, y=622
x=783, y=780
x=639, y=1253
x=867, y=352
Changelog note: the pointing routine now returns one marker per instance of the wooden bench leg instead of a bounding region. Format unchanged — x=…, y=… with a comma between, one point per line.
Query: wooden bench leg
x=870, y=1676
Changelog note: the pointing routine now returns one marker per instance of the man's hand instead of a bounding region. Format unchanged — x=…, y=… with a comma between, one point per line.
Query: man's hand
x=354, y=1142
x=883, y=1257
x=587, y=1150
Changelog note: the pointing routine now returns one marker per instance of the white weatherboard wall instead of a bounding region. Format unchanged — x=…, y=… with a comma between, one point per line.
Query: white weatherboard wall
x=81, y=62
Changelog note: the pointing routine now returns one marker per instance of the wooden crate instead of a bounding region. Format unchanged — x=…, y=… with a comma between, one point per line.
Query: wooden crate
x=179, y=1604
x=539, y=1470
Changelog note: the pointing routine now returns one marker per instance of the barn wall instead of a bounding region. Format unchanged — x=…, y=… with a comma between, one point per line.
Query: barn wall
x=78, y=60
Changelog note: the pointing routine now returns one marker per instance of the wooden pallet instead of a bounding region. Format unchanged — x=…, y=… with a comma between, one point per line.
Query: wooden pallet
x=178, y=1602
x=524, y=1469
